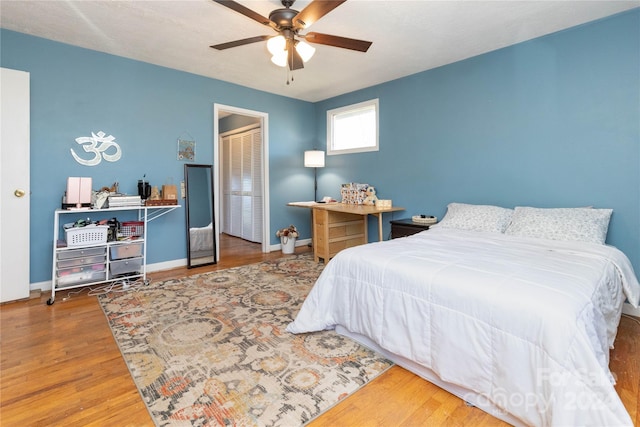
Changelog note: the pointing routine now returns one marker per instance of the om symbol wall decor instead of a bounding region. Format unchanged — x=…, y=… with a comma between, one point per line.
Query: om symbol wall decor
x=99, y=151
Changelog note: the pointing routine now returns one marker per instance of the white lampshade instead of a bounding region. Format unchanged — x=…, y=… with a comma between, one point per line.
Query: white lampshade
x=305, y=50
x=276, y=45
x=314, y=159
x=280, y=59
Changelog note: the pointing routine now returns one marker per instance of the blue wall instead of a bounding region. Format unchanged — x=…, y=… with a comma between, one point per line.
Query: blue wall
x=553, y=122
x=146, y=108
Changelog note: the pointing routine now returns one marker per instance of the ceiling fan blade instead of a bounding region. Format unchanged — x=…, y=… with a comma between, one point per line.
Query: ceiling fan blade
x=293, y=57
x=314, y=11
x=337, y=41
x=242, y=42
x=235, y=6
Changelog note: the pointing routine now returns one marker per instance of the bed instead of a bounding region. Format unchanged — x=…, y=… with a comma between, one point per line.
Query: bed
x=201, y=241
x=519, y=326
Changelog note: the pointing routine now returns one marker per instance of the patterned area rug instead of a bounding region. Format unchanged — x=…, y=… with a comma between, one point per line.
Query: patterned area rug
x=212, y=350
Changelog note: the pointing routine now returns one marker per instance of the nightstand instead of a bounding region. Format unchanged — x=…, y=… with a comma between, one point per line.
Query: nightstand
x=406, y=227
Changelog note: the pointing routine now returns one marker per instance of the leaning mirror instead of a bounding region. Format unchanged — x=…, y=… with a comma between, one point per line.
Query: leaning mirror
x=201, y=246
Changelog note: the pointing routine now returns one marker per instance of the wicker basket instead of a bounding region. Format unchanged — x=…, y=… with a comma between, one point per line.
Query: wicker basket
x=132, y=229
x=423, y=219
x=84, y=236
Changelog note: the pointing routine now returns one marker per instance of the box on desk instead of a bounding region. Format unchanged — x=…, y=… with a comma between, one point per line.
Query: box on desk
x=353, y=193
x=78, y=194
x=170, y=192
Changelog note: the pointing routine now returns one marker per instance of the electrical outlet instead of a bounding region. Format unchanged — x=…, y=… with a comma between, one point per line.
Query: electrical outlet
x=182, y=190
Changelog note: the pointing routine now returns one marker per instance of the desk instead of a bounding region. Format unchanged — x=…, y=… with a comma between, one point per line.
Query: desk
x=338, y=226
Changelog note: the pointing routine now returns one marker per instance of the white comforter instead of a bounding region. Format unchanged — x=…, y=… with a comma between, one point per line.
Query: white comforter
x=201, y=238
x=525, y=323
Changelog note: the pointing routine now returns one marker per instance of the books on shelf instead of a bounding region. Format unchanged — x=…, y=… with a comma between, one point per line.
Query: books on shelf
x=124, y=201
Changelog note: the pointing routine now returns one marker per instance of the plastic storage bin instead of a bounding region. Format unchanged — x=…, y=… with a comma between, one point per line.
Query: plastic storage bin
x=132, y=229
x=79, y=275
x=74, y=262
x=79, y=253
x=125, y=266
x=127, y=250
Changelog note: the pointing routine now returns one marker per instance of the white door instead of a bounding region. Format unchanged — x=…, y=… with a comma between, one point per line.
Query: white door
x=14, y=185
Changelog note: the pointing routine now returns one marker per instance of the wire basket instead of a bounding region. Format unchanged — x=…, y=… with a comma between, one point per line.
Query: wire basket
x=132, y=229
x=84, y=236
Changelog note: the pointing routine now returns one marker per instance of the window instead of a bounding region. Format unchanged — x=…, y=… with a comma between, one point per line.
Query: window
x=353, y=129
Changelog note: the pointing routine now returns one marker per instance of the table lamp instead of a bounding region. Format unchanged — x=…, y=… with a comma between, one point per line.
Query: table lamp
x=314, y=159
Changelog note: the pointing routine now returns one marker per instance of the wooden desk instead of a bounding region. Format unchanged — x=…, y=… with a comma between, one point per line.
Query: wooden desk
x=338, y=226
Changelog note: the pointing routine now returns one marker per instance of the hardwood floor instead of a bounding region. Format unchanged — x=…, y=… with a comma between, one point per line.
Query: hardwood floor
x=60, y=366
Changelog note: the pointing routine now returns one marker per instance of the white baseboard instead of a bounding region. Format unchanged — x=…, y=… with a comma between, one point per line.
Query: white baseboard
x=299, y=242
x=40, y=286
x=628, y=309
x=166, y=265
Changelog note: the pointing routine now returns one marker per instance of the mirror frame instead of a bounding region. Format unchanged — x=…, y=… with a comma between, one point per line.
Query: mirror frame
x=190, y=259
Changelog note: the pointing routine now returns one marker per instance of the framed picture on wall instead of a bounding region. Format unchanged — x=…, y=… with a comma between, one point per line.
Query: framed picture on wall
x=186, y=150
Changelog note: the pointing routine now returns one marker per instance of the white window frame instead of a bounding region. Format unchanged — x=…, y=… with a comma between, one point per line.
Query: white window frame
x=350, y=109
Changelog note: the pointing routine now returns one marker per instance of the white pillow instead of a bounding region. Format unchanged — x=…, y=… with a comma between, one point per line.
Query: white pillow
x=573, y=224
x=476, y=217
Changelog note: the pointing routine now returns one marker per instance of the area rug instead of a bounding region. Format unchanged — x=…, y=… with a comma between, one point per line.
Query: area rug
x=212, y=350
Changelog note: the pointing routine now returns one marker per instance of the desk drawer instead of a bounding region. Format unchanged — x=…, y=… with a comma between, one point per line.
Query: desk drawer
x=350, y=228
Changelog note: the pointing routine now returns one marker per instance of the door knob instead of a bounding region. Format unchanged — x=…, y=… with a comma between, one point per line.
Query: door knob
x=19, y=193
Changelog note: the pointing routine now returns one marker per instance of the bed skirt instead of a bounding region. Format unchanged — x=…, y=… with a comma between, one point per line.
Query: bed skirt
x=467, y=395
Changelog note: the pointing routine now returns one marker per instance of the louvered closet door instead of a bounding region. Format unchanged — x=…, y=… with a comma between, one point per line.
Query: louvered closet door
x=244, y=163
x=247, y=187
x=256, y=189
x=225, y=172
x=236, y=186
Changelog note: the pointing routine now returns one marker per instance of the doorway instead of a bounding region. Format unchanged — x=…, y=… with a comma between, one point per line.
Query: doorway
x=229, y=120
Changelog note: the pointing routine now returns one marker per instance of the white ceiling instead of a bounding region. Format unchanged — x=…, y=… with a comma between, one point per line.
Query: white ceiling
x=408, y=36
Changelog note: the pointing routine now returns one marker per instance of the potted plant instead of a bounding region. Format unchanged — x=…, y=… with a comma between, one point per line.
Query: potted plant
x=288, y=238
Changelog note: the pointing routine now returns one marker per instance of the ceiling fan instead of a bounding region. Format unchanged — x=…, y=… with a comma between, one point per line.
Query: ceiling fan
x=289, y=47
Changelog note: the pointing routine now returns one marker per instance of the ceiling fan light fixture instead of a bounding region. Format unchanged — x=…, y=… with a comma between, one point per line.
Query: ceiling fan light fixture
x=305, y=50
x=276, y=45
x=280, y=59
x=286, y=48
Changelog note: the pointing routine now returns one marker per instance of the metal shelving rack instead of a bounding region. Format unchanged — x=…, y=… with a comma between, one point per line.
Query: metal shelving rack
x=146, y=214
